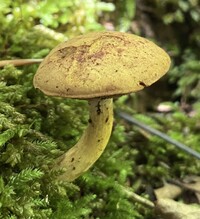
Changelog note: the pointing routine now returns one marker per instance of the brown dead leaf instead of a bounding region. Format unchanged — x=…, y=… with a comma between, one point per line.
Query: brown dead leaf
x=170, y=209
x=189, y=183
x=192, y=183
x=169, y=191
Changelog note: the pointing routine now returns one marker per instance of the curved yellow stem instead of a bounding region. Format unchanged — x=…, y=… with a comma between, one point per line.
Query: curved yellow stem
x=92, y=143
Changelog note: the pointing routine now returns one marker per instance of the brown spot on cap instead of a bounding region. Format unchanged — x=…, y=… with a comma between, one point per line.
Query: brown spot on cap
x=142, y=84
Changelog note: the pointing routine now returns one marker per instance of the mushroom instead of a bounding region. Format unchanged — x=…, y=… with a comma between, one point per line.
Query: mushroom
x=96, y=67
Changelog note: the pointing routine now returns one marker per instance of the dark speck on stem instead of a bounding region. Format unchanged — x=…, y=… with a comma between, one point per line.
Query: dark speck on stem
x=98, y=106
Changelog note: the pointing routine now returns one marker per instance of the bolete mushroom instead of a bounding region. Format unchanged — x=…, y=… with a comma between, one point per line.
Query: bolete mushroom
x=96, y=67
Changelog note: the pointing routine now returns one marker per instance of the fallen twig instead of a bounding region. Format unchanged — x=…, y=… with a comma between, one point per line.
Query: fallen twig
x=19, y=62
x=153, y=131
x=137, y=198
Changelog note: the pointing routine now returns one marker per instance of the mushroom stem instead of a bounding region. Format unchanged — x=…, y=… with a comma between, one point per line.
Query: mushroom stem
x=91, y=145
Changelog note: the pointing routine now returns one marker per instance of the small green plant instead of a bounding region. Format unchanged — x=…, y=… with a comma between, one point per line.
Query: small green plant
x=187, y=77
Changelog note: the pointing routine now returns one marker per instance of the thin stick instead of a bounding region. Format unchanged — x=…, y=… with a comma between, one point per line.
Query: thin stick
x=130, y=194
x=19, y=62
x=137, y=198
x=160, y=134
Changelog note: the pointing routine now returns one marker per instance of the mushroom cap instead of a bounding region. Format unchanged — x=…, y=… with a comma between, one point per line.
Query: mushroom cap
x=101, y=64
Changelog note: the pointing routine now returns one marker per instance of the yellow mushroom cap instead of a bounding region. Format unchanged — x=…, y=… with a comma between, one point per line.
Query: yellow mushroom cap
x=101, y=64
